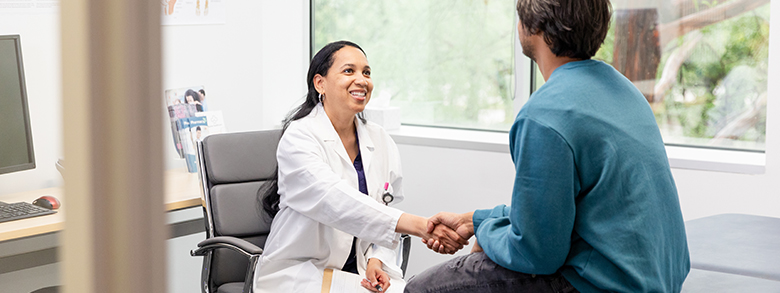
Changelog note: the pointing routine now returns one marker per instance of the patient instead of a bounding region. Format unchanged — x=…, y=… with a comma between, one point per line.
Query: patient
x=594, y=205
x=334, y=167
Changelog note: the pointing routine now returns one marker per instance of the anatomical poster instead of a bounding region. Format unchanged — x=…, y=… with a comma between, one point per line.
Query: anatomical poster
x=182, y=12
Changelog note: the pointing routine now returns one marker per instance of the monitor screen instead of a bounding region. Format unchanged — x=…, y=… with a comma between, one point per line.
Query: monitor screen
x=16, y=148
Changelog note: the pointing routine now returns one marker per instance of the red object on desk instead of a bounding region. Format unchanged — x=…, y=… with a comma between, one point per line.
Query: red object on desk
x=49, y=201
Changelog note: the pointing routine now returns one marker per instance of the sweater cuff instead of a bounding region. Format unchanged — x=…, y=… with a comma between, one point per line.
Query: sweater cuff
x=482, y=215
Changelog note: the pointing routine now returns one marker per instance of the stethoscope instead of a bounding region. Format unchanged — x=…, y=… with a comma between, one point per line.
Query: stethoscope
x=387, y=197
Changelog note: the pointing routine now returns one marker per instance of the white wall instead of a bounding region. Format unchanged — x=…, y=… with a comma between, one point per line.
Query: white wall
x=285, y=57
x=251, y=67
x=453, y=180
x=226, y=59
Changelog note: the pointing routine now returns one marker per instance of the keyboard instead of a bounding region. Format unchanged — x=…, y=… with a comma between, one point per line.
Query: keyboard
x=21, y=210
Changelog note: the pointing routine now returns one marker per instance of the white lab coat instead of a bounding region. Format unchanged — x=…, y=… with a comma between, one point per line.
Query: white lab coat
x=321, y=207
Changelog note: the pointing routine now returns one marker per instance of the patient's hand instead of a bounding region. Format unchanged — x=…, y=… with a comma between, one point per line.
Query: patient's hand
x=443, y=240
x=449, y=240
x=476, y=247
x=460, y=223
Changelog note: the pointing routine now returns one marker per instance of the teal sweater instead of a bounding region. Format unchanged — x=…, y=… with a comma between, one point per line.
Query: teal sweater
x=593, y=196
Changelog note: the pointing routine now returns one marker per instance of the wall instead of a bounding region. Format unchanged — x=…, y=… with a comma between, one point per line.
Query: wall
x=260, y=44
x=226, y=59
x=285, y=58
x=461, y=181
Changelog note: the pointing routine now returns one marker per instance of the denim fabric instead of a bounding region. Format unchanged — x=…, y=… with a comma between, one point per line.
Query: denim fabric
x=476, y=273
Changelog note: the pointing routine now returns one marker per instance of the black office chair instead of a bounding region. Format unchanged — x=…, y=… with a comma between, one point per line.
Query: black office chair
x=232, y=167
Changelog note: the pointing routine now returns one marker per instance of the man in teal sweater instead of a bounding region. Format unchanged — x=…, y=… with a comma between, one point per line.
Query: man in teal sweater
x=594, y=206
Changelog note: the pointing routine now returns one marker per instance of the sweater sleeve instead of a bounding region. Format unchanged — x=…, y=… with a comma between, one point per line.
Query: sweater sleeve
x=533, y=235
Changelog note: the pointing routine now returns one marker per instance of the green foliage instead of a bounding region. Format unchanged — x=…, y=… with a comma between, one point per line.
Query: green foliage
x=443, y=62
x=605, y=53
x=722, y=78
x=729, y=65
x=450, y=62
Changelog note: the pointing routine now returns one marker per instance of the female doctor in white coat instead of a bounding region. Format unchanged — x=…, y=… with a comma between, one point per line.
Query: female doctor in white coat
x=327, y=200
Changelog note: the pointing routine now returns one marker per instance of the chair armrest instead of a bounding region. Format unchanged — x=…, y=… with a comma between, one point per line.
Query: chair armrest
x=406, y=245
x=239, y=245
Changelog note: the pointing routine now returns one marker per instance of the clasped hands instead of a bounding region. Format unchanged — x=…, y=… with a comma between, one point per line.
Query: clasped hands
x=449, y=232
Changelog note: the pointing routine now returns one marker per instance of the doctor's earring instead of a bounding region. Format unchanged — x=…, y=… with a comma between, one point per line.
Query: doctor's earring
x=320, y=97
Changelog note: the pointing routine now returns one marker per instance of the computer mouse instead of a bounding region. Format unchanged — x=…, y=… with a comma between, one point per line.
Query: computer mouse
x=48, y=202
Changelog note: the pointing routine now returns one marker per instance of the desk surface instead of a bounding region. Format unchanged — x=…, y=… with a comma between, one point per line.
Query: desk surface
x=182, y=190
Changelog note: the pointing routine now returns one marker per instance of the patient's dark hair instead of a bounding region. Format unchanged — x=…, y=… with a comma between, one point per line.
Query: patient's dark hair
x=320, y=64
x=572, y=28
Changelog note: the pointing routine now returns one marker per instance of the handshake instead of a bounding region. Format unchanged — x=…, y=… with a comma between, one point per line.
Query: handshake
x=449, y=232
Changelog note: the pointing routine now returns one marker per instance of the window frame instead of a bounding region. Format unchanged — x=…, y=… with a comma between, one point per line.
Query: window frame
x=691, y=157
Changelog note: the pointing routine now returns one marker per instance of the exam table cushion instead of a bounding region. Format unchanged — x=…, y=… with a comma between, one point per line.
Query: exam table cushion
x=739, y=244
x=702, y=281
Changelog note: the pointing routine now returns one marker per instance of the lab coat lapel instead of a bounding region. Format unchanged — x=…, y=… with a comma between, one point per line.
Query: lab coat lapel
x=330, y=136
x=366, y=144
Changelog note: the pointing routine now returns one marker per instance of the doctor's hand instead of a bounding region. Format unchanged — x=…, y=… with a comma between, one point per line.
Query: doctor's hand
x=375, y=276
x=449, y=240
x=444, y=240
x=461, y=223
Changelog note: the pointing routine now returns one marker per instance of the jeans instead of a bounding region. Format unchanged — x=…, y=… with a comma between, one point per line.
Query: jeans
x=477, y=273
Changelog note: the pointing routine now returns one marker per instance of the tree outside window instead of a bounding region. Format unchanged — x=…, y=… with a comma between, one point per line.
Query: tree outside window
x=701, y=64
x=444, y=63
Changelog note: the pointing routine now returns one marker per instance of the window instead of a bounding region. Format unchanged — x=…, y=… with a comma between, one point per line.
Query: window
x=444, y=63
x=702, y=66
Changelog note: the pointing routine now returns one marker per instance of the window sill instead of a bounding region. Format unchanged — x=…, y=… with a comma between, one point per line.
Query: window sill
x=692, y=158
x=728, y=161
x=452, y=138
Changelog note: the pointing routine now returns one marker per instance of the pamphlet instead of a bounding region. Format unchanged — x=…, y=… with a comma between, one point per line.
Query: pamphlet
x=342, y=282
x=191, y=121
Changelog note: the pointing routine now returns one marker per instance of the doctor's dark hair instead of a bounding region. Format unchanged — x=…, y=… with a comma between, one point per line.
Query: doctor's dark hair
x=268, y=194
x=572, y=28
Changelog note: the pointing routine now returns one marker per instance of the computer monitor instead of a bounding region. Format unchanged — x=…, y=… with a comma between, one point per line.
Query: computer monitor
x=16, y=145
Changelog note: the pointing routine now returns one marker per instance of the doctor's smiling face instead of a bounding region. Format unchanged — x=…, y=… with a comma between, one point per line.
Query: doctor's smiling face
x=346, y=89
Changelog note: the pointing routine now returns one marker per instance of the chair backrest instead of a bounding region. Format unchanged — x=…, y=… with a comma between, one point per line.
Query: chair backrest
x=233, y=166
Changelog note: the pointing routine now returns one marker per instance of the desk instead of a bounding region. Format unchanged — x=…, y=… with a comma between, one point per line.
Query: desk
x=182, y=190
x=28, y=247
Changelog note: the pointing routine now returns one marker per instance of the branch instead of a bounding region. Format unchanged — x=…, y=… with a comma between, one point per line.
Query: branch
x=735, y=129
x=670, y=31
x=673, y=64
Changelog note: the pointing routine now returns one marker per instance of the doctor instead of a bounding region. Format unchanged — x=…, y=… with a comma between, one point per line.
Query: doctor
x=327, y=200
